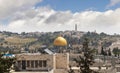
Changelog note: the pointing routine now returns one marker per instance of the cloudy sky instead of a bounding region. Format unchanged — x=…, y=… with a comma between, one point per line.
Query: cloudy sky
x=60, y=15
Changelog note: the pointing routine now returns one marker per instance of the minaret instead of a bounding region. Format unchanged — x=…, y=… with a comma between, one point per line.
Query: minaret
x=75, y=27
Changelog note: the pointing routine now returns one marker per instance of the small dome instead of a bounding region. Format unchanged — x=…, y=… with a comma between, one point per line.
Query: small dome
x=60, y=41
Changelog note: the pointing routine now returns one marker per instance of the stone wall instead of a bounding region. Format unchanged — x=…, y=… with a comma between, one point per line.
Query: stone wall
x=58, y=62
x=60, y=71
x=62, y=61
x=30, y=57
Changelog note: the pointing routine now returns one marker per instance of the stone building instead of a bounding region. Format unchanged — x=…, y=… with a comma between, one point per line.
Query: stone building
x=42, y=62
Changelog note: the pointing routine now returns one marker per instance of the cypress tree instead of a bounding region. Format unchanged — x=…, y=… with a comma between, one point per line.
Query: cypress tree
x=85, y=61
x=109, y=52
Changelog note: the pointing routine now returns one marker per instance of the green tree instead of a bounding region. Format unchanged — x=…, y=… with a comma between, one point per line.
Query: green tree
x=103, y=52
x=116, y=51
x=5, y=64
x=109, y=52
x=87, y=59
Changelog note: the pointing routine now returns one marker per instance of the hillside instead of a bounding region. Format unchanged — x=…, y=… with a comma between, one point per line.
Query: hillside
x=36, y=40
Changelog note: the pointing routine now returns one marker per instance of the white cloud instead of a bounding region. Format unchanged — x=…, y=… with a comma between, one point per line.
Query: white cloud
x=46, y=19
x=59, y=17
x=9, y=7
x=113, y=3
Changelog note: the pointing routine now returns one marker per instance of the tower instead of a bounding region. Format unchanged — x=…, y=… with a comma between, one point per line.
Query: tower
x=75, y=27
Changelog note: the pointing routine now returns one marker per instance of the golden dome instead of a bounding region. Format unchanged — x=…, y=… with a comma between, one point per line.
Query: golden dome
x=60, y=41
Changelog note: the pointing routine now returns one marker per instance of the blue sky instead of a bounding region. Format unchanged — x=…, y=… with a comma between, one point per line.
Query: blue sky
x=60, y=15
x=77, y=5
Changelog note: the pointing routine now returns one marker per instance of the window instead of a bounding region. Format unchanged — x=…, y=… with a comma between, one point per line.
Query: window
x=40, y=63
x=44, y=63
x=36, y=63
x=32, y=64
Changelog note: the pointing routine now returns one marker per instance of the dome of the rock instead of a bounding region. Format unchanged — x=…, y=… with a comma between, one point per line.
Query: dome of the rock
x=60, y=41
